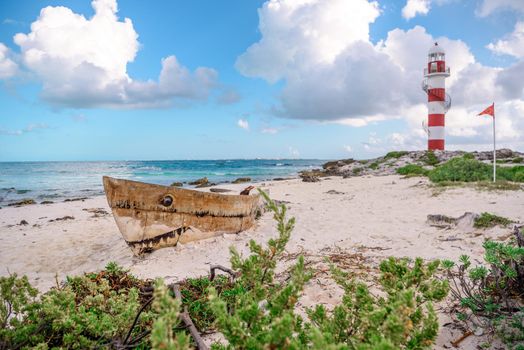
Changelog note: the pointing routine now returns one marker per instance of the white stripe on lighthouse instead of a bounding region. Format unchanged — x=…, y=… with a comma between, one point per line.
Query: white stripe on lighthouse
x=436, y=82
x=436, y=133
x=436, y=107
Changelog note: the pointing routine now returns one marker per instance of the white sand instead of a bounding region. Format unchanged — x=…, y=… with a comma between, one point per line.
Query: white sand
x=387, y=212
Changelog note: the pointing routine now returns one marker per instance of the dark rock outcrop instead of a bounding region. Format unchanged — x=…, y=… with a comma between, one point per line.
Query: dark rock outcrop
x=27, y=201
x=201, y=181
x=242, y=180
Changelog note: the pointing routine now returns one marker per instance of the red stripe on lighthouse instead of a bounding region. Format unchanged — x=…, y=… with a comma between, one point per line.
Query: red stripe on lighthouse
x=436, y=144
x=436, y=120
x=436, y=94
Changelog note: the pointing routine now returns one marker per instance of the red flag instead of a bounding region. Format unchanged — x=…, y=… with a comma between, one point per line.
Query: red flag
x=490, y=110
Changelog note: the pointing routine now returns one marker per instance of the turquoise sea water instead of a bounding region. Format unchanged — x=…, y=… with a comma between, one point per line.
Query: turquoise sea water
x=57, y=181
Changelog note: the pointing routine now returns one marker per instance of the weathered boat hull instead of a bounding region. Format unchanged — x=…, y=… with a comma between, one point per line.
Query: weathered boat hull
x=154, y=216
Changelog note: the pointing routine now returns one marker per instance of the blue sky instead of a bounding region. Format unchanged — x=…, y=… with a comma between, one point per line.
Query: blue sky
x=300, y=85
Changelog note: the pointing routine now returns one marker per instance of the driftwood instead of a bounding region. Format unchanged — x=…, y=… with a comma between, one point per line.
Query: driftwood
x=456, y=343
x=464, y=221
x=213, y=268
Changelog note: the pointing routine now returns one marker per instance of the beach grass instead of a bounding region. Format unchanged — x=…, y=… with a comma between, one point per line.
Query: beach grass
x=488, y=220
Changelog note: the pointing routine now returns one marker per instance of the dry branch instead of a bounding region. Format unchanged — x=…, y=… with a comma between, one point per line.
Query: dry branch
x=213, y=269
x=186, y=319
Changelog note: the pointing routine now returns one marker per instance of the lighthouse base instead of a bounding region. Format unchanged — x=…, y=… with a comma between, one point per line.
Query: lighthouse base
x=434, y=145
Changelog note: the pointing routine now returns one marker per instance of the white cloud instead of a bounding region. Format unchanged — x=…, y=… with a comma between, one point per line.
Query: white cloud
x=356, y=82
x=361, y=82
x=8, y=67
x=244, y=124
x=487, y=7
x=348, y=148
x=81, y=65
x=415, y=7
x=512, y=45
x=304, y=34
x=29, y=128
x=269, y=131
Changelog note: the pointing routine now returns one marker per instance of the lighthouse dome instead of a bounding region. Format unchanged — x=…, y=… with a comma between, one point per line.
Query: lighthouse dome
x=436, y=49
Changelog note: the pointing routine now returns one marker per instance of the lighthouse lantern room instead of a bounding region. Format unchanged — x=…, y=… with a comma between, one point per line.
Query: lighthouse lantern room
x=439, y=102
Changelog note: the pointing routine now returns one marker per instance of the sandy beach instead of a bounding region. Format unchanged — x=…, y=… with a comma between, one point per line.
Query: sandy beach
x=375, y=216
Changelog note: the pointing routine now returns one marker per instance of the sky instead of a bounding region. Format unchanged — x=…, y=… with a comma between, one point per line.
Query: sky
x=229, y=79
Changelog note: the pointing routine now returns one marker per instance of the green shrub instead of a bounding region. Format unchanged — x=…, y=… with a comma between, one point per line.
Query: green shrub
x=356, y=171
x=518, y=160
x=89, y=311
x=374, y=165
x=403, y=319
x=395, y=154
x=430, y=158
x=168, y=310
x=253, y=310
x=468, y=169
x=462, y=169
x=490, y=294
x=195, y=295
x=412, y=170
x=515, y=173
x=265, y=317
x=487, y=220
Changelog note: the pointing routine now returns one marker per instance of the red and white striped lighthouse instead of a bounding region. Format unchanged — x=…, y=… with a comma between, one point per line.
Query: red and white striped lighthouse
x=438, y=101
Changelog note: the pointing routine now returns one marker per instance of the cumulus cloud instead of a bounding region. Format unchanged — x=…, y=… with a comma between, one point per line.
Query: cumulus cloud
x=348, y=148
x=80, y=65
x=302, y=34
x=487, y=7
x=360, y=82
x=243, y=124
x=512, y=45
x=415, y=7
x=351, y=81
x=8, y=67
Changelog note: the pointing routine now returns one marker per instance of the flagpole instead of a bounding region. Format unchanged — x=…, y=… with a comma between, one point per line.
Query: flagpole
x=494, y=148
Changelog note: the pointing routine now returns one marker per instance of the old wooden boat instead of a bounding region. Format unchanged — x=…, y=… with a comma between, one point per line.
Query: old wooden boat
x=155, y=216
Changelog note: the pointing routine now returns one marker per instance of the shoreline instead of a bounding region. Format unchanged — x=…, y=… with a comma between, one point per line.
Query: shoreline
x=61, y=199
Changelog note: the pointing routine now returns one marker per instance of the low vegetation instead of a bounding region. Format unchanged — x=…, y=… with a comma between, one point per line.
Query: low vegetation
x=412, y=170
x=253, y=309
x=489, y=295
x=481, y=185
x=468, y=169
x=395, y=154
x=374, y=165
x=430, y=158
x=488, y=220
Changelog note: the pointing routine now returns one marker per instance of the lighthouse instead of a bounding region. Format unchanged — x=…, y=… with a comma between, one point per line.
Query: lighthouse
x=439, y=102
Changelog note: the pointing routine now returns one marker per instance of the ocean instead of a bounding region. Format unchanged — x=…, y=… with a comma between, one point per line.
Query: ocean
x=57, y=181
